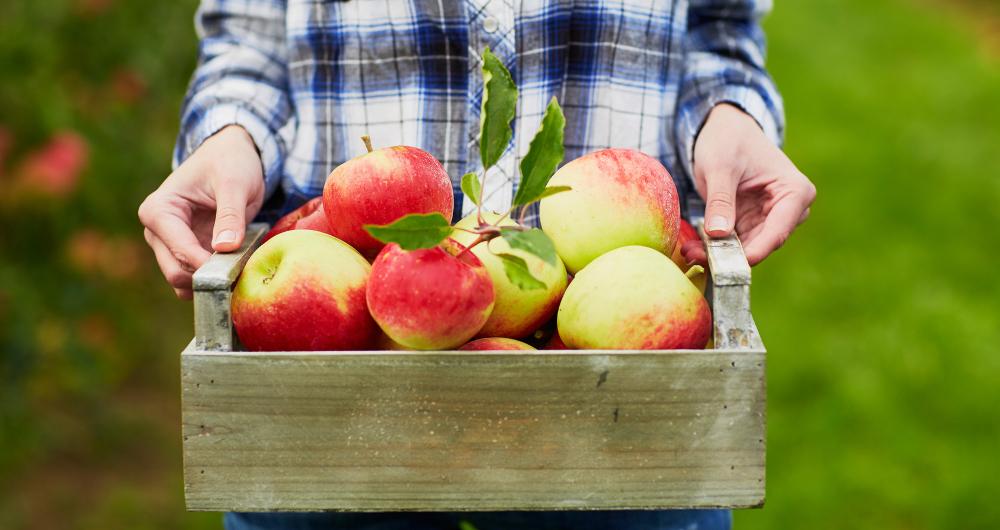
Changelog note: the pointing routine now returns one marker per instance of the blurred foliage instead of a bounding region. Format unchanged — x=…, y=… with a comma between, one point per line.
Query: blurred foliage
x=89, y=332
x=880, y=316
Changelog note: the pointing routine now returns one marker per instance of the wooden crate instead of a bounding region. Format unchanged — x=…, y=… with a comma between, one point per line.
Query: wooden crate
x=456, y=431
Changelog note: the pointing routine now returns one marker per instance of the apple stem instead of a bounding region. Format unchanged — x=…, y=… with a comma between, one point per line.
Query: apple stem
x=524, y=213
x=368, y=142
x=478, y=240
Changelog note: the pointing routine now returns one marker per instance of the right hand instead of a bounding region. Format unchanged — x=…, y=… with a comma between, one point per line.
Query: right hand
x=203, y=205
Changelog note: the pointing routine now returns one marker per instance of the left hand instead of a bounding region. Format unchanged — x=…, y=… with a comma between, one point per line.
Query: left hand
x=747, y=183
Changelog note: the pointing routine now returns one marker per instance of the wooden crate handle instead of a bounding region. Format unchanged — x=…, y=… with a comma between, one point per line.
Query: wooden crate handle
x=730, y=292
x=213, y=289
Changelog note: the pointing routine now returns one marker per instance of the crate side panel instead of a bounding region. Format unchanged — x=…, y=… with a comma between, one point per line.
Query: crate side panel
x=375, y=432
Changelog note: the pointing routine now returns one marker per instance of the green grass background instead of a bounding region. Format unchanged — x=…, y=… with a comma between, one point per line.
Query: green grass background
x=881, y=315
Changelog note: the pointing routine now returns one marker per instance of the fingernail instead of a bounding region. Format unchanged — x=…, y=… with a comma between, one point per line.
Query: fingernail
x=717, y=223
x=225, y=236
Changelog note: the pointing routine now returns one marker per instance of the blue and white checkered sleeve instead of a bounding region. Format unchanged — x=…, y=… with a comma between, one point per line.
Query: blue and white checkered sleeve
x=724, y=63
x=241, y=79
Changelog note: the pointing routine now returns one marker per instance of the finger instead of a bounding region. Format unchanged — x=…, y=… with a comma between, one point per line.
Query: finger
x=230, y=216
x=804, y=216
x=184, y=294
x=174, y=232
x=173, y=271
x=720, y=203
x=779, y=224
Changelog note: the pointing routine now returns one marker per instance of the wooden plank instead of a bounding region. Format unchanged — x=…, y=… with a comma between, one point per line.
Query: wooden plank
x=222, y=269
x=377, y=431
x=213, y=283
x=726, y=260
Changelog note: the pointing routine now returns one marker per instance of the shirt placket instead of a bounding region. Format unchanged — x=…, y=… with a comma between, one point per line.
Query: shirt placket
x=492, y=24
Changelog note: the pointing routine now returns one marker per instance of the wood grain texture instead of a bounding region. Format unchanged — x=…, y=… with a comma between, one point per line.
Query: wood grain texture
x=729, y=293
x=374, y=431
x=386, y=431
x=213, y=284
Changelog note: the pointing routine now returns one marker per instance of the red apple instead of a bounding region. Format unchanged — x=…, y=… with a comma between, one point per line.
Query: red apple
x=556, y=343
x=619, y=197
x=309, y=216
x=495, y=343
x=301, y=291
x=430, y=299
x=381, y=186
x=684, y=234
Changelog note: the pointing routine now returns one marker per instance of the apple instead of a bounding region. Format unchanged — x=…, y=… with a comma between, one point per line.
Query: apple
x=383, y=342
x=430, y=299
x=556, y=343
x=301, y=291
x=685, y=233
x=619, y=197
x=309, y=216
x=633, y=298
x=517, y=312
x=496, y=343
x=381, y=186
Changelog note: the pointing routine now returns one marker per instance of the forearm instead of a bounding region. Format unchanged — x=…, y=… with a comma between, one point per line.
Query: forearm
x=241, y=79
x=724, y=63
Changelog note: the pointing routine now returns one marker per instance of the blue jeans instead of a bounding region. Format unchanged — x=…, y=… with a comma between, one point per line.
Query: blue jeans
x=575, y=520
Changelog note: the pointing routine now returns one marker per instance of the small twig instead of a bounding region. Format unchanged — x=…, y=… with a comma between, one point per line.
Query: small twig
x=368, y=142
x=524, y=213
x=478, y=240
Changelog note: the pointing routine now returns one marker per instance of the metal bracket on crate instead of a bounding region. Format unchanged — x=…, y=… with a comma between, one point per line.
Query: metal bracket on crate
x=730, y=292
x=213, y=282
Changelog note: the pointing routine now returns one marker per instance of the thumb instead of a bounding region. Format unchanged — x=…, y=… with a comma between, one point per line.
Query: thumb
x=720, y=204
x=230, y=218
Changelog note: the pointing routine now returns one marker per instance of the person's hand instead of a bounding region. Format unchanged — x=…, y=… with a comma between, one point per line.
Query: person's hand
x=204, y=205
x=747, y=182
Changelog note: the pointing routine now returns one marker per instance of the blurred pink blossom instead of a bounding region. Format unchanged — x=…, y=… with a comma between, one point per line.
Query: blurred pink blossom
x=55, y=168
x=92, y=252
x=92, y=7
x=128, y=85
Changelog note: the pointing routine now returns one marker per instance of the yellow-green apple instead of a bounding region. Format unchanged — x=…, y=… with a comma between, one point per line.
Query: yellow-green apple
x=496, y=343
x=381, y=186
x=303, y=290
x=633, y=298
x=430, y=299
x=517, y=312
x=619, y=197
x=309, y=216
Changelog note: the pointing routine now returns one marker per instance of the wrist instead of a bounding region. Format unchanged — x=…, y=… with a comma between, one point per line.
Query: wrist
x=236, y=135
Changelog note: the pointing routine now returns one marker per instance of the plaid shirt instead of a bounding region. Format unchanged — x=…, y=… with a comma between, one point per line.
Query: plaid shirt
x=307, y=78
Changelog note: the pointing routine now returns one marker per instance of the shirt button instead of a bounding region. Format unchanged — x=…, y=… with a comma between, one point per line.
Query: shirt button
x=490, y=24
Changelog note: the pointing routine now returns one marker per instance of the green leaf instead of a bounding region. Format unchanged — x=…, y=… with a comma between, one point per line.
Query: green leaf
x=544, y=155
x=552, y=190
x=472, y=187
x=518, y=273
x=533, y=241
x=413, y=231
x=499, y=105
